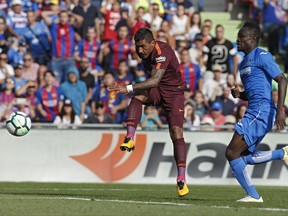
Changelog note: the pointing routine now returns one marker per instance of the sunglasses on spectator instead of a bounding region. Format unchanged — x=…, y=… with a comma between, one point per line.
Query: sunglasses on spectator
x=27, y=59
x=9, y=82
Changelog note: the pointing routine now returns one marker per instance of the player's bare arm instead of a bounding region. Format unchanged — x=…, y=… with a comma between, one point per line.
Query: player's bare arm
x=236, y=93
x=282, y=88
x=153, y=81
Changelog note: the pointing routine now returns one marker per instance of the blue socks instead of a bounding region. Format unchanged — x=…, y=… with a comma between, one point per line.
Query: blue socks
x=263, y=156
x=239, y=169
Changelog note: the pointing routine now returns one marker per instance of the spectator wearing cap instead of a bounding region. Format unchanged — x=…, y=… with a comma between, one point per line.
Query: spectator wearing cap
x=216, y=114
x=111, y=18
x=6, y=70
x=16, y=18
x=212, y=86
x=38, y=39
x=99, y=116
x=229, y=107
x=196, y=53
x=115, y=103
x=49, y=99
x=117, y=49
x=76, y=91
x=67, y=117
x=90, y=15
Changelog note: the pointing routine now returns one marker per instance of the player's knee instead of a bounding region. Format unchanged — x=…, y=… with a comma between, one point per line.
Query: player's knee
x=231, y=155
x=176, y=133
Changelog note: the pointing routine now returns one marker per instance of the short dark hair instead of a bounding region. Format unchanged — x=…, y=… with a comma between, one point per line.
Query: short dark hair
x=49, y=72
x=253, y=29
x=144, y=34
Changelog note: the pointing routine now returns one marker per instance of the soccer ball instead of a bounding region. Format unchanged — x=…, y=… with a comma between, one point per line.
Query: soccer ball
x=18, y=123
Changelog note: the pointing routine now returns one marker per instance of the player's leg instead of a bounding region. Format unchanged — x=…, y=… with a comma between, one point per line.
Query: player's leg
x=180, y=154
x=239, y=168
x=134, y=114
x=259, y=157
x=174, y=107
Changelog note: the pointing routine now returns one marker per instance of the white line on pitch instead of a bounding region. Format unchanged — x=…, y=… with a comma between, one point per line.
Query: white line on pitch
x=160, y=203
x=150, y=203
x=77, y=189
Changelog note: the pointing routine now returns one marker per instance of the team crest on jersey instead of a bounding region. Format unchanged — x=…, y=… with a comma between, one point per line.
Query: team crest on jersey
x=248, y=62
x=160, y=59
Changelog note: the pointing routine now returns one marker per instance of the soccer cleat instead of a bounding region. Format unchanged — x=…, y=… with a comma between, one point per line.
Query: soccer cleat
x=127, y=145
x=250, y=199
x=182, y=188
x=285, y=157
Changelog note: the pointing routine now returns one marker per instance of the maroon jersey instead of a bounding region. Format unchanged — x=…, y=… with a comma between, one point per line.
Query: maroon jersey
x=163, y=57
x=169, y=93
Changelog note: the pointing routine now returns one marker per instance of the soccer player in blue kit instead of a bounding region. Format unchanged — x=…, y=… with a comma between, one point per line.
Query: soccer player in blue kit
x=257, y=70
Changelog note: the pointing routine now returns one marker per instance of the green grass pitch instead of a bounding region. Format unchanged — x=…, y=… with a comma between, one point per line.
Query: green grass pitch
x=135, y=200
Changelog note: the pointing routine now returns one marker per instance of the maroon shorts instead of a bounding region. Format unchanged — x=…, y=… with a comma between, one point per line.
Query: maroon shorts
x=172, y=103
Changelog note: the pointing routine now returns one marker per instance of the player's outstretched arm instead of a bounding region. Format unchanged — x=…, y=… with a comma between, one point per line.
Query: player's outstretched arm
x=153, y=81
x=282, y=88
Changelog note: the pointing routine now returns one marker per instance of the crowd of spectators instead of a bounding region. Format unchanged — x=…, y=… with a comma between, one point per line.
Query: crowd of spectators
x=57, y=58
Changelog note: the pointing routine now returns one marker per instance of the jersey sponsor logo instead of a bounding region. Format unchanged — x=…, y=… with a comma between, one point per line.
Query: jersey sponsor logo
x=105, y=164
x=263, y=53
x=160, y=59
x=246, y=70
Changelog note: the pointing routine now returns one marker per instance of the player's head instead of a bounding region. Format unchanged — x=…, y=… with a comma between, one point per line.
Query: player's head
x=144, y=42
x=248, y=36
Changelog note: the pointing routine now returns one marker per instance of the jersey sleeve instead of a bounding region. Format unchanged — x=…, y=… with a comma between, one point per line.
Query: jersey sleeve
x=268, y=64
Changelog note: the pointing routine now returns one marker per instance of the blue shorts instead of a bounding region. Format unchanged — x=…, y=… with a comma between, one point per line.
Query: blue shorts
x=255, y=125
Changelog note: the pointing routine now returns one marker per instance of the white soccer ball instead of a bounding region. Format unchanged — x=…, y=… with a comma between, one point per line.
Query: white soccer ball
x=18, y=124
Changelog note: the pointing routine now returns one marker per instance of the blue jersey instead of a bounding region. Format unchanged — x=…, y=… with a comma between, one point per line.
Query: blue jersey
x=42, y=32
x=257, y=70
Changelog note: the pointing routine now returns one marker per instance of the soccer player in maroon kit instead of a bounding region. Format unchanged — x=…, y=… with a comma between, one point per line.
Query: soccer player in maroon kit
x=164, y=87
